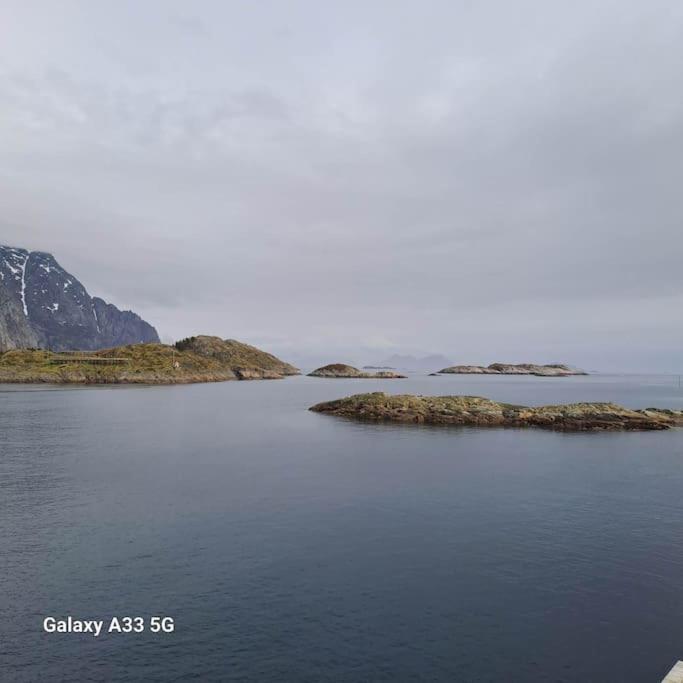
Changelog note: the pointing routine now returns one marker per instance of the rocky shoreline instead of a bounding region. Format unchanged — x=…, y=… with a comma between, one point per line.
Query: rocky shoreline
x=482, y=412
x=341, y=370
x=551, y=370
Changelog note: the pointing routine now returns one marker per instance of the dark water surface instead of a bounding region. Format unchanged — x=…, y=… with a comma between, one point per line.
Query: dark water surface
x=292, y=546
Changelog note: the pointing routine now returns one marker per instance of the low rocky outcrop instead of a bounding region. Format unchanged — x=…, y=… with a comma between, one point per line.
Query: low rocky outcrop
x=552, y=370
x=343, y=370
x=240, y=357
x=482, y=412
x=196, y=359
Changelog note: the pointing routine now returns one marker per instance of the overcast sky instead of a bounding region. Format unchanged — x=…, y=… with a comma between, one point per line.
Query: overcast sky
x=347, y=180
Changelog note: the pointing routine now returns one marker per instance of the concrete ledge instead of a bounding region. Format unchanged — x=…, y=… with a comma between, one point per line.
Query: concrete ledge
x=675, y=675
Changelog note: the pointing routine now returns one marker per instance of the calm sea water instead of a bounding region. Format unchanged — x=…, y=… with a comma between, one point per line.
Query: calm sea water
x=291, y=546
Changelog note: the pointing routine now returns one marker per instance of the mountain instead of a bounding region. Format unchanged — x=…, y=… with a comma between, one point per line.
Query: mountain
x=427, y=363
x=42, y=305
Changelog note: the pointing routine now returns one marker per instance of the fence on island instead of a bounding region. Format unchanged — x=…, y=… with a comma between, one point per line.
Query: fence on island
x=63, y=357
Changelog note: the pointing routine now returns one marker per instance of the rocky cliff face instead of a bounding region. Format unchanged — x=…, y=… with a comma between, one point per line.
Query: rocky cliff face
x=15, y=330
x=43, y=305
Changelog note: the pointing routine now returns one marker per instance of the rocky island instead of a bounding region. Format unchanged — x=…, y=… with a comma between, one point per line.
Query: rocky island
x=483, y=412
x=343, y=370
x=552, y=370
x=195, y=359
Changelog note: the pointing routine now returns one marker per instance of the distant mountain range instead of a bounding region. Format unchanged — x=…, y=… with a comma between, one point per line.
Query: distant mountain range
x=426, y=363
x=44, y=306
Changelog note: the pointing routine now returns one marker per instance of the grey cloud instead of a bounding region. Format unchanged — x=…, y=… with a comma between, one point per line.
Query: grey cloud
x=434, y=177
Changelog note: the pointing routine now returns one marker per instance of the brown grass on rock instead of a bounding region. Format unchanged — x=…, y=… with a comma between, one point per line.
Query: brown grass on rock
x=197, y=359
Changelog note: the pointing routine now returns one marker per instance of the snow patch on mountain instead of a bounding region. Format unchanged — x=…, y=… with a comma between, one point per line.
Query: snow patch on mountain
x=58, y=309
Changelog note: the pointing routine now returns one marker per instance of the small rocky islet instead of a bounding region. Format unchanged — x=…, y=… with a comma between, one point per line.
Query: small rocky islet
x=550, y=370
x=341, y=370
x=482, y=412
